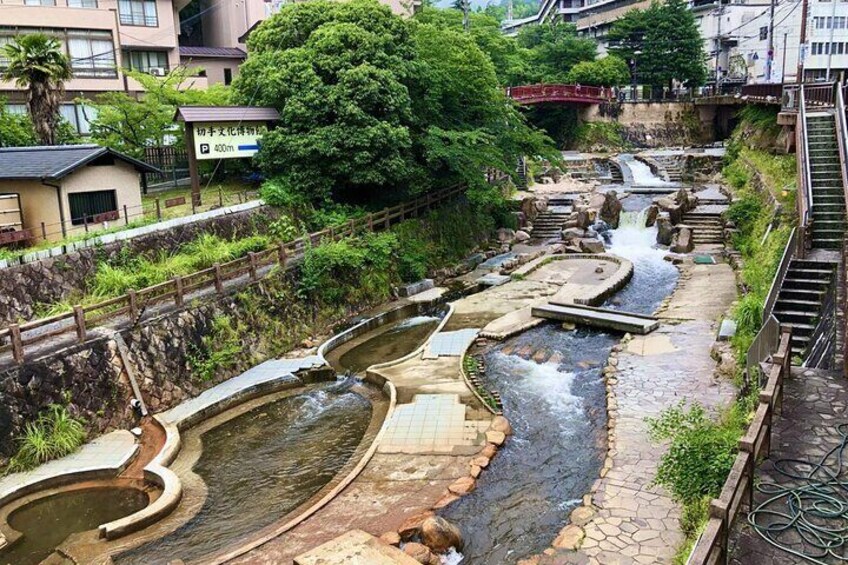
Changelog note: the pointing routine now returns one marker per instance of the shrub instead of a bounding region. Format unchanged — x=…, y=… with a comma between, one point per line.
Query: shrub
x=218, y=349
x=55, y=433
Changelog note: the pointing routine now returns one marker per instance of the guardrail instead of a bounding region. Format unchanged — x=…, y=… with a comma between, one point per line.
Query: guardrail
x=536, y=93
x=818, y=95
x=134, y=303
x=842, y=275
x=712, y=545
x=804, y=200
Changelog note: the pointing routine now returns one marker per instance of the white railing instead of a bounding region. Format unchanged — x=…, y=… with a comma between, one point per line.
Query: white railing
x=805, y=191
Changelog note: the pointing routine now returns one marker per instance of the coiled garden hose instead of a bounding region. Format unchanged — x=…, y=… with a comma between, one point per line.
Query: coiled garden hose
x=808, y=515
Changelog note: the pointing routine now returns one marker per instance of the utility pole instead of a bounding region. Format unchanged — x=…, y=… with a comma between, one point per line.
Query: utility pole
x=830, y=44
x=466, y=6
x=783, y=65
x=802, y=52
x=718, y=46
x=770, y=57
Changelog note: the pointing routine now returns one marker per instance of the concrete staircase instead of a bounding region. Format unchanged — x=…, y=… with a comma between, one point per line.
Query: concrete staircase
x=548, y=224
x=828, y=194
x=799, y=301
x=671, y=165
x=707, y=229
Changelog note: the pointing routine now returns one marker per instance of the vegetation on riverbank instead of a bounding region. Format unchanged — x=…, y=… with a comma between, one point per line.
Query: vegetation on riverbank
x=54, y=434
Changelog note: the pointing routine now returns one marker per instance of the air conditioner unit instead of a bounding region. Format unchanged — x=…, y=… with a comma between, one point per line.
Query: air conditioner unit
x=157, y=71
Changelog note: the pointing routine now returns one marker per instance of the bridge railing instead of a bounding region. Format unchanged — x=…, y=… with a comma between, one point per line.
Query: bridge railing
x=818, y=95
x=559, y=92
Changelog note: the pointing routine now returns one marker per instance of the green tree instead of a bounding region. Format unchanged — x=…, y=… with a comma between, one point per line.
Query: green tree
x=129, y=124
x=554, y=49
x=37, y=63
x=664, y=42
x=375, y=107
x=606, y=71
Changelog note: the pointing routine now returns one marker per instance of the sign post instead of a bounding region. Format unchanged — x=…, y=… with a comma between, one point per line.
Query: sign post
x=222, y=132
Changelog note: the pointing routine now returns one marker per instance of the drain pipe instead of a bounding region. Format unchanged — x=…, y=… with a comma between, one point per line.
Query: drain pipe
x=58, y=188
x=124, y=352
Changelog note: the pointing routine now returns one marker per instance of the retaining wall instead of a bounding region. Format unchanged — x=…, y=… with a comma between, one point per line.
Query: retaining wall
x=657, y=124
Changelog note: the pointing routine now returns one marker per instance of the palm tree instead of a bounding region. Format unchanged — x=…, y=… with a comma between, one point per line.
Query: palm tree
x=38, y=63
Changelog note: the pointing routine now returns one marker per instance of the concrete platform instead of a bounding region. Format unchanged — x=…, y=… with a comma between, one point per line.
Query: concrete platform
x=355, y=548
x=598, y=318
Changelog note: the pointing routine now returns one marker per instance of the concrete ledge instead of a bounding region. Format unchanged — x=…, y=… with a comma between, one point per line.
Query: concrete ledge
x=172, y=493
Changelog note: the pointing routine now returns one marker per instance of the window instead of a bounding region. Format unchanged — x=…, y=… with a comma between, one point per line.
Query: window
x=86, y=205
x=82, y=3
x=39, y=2
x=145, y=61
x=228, y=76
x=763, y=33
x=138, y=12
x=92, y=53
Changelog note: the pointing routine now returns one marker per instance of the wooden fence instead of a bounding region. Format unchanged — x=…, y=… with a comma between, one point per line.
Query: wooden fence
x=133, y=304
x=712, y=545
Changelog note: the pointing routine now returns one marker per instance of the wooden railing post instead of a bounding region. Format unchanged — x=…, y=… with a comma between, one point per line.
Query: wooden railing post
x=17, y=346
x=402, y=211
x=219, y=284
x=371, y=222
x=352, y=225
x=387, y=221
x=126, y=216
x=178, y=291
x=281, y=255
x=158, y=210
x=79, y=320
x=719, y=509
x=252, y=257
x=133, y=300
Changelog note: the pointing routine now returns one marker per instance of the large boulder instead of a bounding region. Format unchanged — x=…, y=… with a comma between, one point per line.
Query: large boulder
x=440, y=535
x=531, y=206
x=592, y=246
x=610, y=211
x=573, y=233
x=505, y=235
x=651, y=215
x=418, y=551
x=665, y=229
x=521, y=236
x=682, y=241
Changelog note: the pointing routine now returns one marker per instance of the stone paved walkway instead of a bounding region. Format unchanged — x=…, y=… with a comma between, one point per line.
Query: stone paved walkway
x=629, y=520
x=814, y=403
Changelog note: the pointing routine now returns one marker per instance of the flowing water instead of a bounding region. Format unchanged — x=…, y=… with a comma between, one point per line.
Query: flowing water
x=47, y=522
x=263, y=464
x=642, y=173
x=558, y=414
x=387, y=343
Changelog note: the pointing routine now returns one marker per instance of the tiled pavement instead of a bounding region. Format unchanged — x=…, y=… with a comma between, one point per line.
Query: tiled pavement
x=450, y=344
x=814, y=404
x=108, y=452
x=432, y=423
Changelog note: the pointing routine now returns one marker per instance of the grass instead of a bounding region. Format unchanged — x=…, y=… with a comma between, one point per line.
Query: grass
x=55, y=433
x=227, y=191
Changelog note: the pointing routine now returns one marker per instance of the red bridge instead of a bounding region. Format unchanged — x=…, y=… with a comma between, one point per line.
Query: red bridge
x=563, y=93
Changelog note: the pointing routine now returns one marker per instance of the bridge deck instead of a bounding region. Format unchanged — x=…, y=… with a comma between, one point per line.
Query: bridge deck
x=597, y=317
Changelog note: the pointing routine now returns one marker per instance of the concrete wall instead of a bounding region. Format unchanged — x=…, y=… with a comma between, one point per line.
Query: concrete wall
x=656, y=124
x=40, y=203
x=214, y=67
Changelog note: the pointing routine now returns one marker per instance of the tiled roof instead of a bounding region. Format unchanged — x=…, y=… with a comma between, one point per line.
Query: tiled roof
x=227, y=114
x=221, y=52
x=55, y=161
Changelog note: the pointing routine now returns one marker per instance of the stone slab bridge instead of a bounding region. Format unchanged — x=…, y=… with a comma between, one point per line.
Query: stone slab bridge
x=559, y=93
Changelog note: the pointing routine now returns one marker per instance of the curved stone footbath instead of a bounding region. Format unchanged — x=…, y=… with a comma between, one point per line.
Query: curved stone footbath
x=47, y=519
x=553, y=394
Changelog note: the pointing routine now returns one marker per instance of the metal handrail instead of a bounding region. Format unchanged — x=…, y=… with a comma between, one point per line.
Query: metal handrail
x=805, y=194
x=783, y=267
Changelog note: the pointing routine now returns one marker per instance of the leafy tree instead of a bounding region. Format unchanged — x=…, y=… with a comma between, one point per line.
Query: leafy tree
x=520, y=9
x=375, y=107
x=130, y=124
x=664, y=42
x=37, y=63
x=554, y=49
x=16, y=130
x=606, y=71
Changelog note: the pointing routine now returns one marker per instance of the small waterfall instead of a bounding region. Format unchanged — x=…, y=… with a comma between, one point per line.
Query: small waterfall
x=642, y=173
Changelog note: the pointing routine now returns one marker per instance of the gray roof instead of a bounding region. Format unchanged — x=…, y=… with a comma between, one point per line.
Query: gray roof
x=226, y=114
x=217, y=52
x=56, y=161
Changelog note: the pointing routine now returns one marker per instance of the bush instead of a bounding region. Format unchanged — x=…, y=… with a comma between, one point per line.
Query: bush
x=54, y=434
x=218, y=350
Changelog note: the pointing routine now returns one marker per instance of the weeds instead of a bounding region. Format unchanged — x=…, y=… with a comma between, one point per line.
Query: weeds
x=55, y=433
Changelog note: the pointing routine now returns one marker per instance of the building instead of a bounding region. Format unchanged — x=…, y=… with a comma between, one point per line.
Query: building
x=101, y=37
x=69, y=189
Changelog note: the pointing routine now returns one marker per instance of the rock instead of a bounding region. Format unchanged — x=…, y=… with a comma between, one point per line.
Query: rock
x=440, y=535
x=569, y=326
x=391, y=538
x=665, y=229
x=495, y=437
x=651, y=215
x=682, y=241
x=581, y=515
x=505, y=235
x=480, y=461
x=490, y=450
x=521, y=236
x=500, y=424
x=569, y=537
x=610, y=211
x=475, y=471
x=412, y=525
x=418, y=551
x=573, y=233
x=592, y=246
x=463, y=485
x=446, y=500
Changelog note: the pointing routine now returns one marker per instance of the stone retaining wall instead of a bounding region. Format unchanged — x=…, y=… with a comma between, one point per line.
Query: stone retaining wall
x=51, y=280
x=658, y=124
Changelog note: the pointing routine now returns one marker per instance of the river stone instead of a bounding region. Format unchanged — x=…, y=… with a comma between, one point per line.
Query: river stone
x=495, y=437
x=489, y=451
x=418, y=551
x=505, y=235
x=412, y=525
x=440, y=535
x=592, y=246
x=500, y=424
x=581, y=515
x=611, y=209
x=462, y=486
x=682, y=242
x=445, y=500
x=665, y=230
x=651, y=215
x=391, y=538
x=569, y=537
x=475, y=471
x=480, y=461
x=521, y=236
